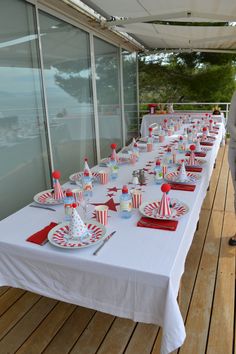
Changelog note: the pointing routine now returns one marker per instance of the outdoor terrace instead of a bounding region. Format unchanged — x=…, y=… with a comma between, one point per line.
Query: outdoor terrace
x=30, y=323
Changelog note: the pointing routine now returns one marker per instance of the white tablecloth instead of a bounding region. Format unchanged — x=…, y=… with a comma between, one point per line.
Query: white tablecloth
x=137, y=273
x=149, y=119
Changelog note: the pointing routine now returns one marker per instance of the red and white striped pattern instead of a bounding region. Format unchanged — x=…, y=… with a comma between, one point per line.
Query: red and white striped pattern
x=164, y=207
x=103, y=177
x=101, y=212
x=136, y=199
x=164, y=170
x=191, y=160
x=58, y=192
x=60, y=237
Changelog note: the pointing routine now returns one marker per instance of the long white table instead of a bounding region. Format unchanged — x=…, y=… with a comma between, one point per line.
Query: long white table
x=149, y=119
x=137, y=273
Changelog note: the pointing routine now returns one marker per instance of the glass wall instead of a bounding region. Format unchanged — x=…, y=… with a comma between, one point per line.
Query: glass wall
x=108, y=95
x=130, y=94
x=23, y=157
x=67, y=74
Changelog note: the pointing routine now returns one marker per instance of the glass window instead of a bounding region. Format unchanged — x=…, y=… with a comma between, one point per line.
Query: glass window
x=108, y=95
x=23, y=157
x=130, y=95
x=67, y=74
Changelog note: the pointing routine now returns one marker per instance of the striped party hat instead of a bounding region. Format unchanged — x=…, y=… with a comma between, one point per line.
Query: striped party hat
x=191, y=160
x=164, y=206
x=182, y=176
x=58, y=192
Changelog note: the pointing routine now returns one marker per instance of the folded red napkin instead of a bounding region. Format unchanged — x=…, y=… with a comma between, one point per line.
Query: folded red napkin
x=213, y=132
x=40, y=237
x=183, y=187
x=197, y=154
x=206, y=143
x=168, y=225
x=192, y=169
x=215, y=127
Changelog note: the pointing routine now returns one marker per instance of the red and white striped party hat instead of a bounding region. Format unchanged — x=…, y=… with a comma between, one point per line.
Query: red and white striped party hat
x=77, y=228
x=191, y=160
x=58, y=192
x=164, y=207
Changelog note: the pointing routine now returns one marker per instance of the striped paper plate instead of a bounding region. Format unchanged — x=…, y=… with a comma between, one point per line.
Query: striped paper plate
x=174, y=176
x=59, y=235
x=78, y=175
x=150, y=209
x=46, y=198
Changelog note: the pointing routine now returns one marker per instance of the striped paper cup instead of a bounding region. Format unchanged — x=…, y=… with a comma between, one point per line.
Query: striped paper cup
x=101, y=212
x=103, y=177
x=77, y=194
x=136, y=198
x=149, y=147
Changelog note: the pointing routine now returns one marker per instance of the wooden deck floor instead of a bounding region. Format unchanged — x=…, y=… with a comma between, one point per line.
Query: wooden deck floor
x=33, y=324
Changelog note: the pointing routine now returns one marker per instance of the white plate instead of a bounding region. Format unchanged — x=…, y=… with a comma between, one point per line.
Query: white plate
x=78, y=175
x=46, y=198
x=150, y=209
x=191, y=177
x=59, y=235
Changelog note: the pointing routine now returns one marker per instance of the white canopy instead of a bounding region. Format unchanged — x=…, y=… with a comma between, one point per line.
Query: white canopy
x=134, y=17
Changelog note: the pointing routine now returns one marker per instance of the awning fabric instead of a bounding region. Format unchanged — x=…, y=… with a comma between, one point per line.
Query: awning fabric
x=134, y=16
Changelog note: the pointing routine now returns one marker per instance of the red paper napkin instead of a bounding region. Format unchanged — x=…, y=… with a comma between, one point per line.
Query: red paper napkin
x=213, y=132
x=183, y=187
x=168, y=225
x=197, y=154
x=215, y=127
x=192, y=169
x=206, y=143
x=40, y=237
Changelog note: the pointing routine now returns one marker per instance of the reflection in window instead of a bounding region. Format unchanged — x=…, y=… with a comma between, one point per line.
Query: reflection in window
x=108, y=95
x=130, y=95
x=23, y=157
x=67, y=73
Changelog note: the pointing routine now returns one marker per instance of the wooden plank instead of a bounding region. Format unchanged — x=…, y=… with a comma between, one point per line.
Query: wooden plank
x=70, y=331
x=192, y=262
x=16, y=312
x=23, y=329
x=200, y=309
x=93, y=335
x=8, y=298
x=222, y=318
x=118, y=337
x=219, y=202
x=3, y=289
x=229, y=204
x=157, y=345
x=47, y=329
x=208, y=201
x=142, y=339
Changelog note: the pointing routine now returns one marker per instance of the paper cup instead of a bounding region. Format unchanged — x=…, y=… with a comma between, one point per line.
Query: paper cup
x=77, y=194
x=103, y=177
x=136, y=199
x=169, y=132
x=101, y=212
x=149, y=147
x=161, y=138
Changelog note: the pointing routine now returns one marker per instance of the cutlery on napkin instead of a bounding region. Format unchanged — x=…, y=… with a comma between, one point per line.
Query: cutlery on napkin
x=103, y=243
x=168, y=225
x=41, y=237
x=206, y=143
x=41, y=207
x=183, y=187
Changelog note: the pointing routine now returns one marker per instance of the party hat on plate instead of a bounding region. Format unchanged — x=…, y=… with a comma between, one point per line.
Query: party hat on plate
x=182, y=176
x=77, y=228
x=198, y=146
x=191, y=160
x=164, y=206
x=86, y=166
x=58, y=192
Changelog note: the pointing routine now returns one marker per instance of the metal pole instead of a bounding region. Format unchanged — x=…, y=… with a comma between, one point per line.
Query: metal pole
x=124, y=128
x=44, y=96
x=95, y=102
